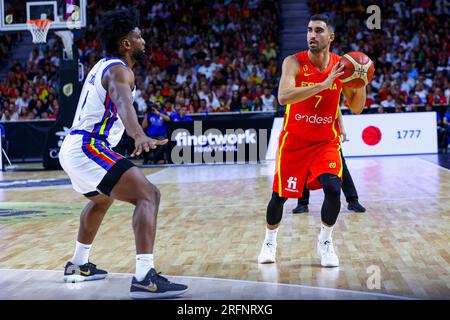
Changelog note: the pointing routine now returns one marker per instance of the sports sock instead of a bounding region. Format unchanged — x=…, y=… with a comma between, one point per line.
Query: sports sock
x=325, y=233
x=271, y=235
x=144, y=262
x=81, y=255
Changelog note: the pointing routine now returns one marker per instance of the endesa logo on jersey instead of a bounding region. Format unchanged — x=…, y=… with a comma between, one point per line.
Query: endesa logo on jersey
x=315, y=119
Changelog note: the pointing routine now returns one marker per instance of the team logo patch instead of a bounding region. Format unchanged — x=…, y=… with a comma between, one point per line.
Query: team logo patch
x=9, y=19
x=68, y=89
x=332, y=165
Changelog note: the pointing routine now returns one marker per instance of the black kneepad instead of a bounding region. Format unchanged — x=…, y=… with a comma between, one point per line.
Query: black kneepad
x=275, y=209
x=331, y=184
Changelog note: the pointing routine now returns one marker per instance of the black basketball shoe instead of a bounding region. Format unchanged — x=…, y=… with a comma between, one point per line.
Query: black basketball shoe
x=356, y=206
x=86, y=272
x=301, y=208
x=155, y=286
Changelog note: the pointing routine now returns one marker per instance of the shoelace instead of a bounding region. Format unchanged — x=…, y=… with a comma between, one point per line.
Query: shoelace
x=270, y=245
x=90, y=264
x=158, y=275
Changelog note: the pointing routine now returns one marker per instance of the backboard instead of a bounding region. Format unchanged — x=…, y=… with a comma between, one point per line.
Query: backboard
x=65, y=14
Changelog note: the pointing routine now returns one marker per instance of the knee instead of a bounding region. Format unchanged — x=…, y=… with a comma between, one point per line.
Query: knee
x=332, y=187
x=277, y=200
x=151, y=196
x=156, y=195
x=102, y=205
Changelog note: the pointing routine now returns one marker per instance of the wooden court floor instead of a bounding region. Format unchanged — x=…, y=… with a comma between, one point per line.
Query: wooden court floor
x=212, y=221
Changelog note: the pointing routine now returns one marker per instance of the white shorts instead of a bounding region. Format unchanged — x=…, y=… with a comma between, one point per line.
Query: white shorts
x=91, y=165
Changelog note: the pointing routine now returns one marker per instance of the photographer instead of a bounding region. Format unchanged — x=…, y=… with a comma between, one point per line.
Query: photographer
x=154, y=125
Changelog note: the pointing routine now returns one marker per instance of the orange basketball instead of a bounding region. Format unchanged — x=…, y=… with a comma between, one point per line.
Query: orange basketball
x=358, y=69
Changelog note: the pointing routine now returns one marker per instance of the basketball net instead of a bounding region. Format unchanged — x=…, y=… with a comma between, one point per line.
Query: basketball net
x=39, y=29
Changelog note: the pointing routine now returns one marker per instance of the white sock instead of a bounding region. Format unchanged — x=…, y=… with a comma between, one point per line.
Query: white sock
x=81, y=255
x=325, y=233
x=271, y=235
x=144, y=262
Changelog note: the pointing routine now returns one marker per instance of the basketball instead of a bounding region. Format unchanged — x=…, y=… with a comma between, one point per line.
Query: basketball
x=358, y=69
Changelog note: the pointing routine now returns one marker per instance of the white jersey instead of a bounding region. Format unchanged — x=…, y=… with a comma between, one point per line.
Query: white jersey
x=267, y=102
x=96, y=113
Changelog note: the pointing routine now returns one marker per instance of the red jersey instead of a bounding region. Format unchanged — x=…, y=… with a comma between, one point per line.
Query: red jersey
x=315, y=118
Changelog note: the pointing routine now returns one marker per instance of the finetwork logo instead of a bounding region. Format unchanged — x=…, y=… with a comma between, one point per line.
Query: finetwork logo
x=211, y=141
x=292, y=184
x=211, y=145
x=315, y=119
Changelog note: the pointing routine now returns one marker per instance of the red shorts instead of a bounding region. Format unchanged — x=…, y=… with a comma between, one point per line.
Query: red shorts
x=302, y=161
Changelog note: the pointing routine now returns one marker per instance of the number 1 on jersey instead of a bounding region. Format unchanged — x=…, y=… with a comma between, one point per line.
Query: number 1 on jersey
x=319, y=97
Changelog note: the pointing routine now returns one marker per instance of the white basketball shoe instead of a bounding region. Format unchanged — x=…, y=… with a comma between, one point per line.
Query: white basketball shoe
x=268, y=252
x=327, y=255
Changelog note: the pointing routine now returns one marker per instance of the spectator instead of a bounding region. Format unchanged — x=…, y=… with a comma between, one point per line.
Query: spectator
x=212, y=102
x=8, y=116
x=195, y=103
x=157, y=97
x=25, y=114
x=269, y=102
x=398, y=107
x=22, y=101
x=224, y=107
x=53, y=110
x=235, y=102
x=380, y=110
x=180, y=116
x=246, y=105
x=203, y=107
x=389, y=102
x=443, y=130
x=181, y=76
x=207, y=68
x=154, y=125
x=258, y=104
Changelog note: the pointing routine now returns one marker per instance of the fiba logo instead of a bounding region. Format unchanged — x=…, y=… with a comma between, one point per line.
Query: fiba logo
x=292, y=184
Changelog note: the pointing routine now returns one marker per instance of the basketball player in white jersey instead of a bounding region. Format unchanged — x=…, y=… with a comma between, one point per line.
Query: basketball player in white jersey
x=104, y=110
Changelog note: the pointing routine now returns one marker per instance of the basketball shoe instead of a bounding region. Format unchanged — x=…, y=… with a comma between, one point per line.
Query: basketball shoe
x=268, y=252
x=356, y=206
x=328, y=257
x=86, y=272
x=301, y=208
x=155, y=286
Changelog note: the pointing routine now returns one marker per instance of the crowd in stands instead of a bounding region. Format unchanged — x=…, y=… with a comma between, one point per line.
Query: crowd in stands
x=30, y=91
x=410, y=51
x=226, y=58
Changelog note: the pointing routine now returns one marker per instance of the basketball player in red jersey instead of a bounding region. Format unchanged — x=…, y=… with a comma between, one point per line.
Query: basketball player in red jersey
x=308, y=150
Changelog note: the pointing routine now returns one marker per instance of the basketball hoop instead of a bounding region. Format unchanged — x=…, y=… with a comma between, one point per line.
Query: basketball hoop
x=39, y=29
